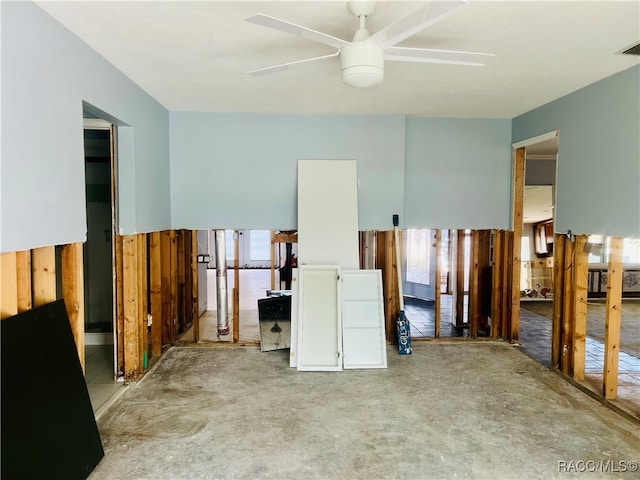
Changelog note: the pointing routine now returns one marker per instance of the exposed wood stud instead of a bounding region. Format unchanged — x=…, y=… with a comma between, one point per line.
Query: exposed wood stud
x=180, y=292
x=558, y=297
x=73, y=293
x=143, y=304
x=460, y=292
x=166, y=274
x=581, y=276
x=438, y=284
x=119, y=307
x=568, y=314
x=273, y=260
x=195, y=295
x=613, y=318
x=236, y=287
x=507, y=271
x=174, y=285
x=497, y=287
x=9, y=285
x=143, y=271
x=23, y=274
x=474, y=284
x=43, y=265
x=155, y=276
x=131, y=307
x=392, y=306
x=188, y=278
x=518, y=206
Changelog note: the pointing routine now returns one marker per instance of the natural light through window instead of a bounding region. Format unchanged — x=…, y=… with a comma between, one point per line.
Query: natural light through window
x=525, y=249
x=260, y=245
x=418, y=256
x=228, y=237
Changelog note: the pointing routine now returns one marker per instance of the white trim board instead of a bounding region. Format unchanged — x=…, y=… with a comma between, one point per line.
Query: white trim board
x=536, y=139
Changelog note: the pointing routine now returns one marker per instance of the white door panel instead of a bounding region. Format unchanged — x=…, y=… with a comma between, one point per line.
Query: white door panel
x=328, y=213
x=319, y=319
x=364, y=341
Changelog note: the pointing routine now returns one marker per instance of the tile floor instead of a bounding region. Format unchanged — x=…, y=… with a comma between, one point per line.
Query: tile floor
x=99, y=374
x=421, y=316
x=535, y=340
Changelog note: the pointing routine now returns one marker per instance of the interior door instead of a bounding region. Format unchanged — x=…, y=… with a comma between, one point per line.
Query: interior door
x=364, y=341
x=319, y=318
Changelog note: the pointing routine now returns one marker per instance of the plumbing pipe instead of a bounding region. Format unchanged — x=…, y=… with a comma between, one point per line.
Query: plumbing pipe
x=221, y=284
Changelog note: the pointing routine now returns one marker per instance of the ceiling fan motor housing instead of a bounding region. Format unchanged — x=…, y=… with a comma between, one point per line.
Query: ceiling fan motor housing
x=362, y=64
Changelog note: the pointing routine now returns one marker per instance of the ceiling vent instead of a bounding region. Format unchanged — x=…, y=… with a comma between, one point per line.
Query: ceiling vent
x=635, y=50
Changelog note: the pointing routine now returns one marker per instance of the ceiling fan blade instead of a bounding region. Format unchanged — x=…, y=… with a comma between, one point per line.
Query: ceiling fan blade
x=407, y=26
x=428, y=55
x=293, y=29
x=285, y=66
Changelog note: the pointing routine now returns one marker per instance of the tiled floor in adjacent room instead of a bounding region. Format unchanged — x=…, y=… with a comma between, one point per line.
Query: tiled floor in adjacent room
x=100, y=374
x=535, y=340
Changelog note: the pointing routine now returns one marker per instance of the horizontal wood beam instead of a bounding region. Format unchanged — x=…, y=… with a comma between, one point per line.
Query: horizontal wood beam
x=285, y=238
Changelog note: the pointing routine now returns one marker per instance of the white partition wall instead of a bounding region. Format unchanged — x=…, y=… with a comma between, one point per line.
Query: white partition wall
x=319, y=318
x=363, y=337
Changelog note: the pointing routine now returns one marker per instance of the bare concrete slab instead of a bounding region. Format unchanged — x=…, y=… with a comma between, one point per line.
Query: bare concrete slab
x=448, y=411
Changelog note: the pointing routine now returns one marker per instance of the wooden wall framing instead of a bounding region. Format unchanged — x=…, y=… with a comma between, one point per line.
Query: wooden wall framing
x=143, y=282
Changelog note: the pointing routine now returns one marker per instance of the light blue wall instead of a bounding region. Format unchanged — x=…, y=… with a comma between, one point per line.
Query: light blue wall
x=598, y=183
x=47, y=72
x=240, y=170
x=458, y=173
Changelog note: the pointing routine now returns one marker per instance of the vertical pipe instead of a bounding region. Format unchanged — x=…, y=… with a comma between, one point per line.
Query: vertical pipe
x=221, y=284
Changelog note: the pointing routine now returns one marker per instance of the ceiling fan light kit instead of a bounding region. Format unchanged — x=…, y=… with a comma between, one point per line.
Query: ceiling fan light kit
x=362, y=65
x=362, y=59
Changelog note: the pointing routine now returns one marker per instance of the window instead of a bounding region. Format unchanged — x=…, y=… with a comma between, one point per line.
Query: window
x=229, y=246
x=418, y=248
x=598, y=246
x=631, y=250
x=594, y=243
x=260, y=245
x=525, y=249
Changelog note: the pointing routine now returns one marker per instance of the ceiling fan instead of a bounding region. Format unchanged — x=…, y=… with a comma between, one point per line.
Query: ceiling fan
x=363, y=57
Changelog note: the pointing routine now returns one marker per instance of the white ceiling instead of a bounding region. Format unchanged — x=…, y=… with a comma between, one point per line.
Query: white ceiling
x=538, y=201
x=194, y=55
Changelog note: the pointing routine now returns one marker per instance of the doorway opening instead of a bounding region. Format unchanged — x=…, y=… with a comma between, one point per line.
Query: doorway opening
x=536, y=266
x=99, y=255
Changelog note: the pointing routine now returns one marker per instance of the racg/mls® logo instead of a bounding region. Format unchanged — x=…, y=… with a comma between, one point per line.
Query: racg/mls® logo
x=599, y=466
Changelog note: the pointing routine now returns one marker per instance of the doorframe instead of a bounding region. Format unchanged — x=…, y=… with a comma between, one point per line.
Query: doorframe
x=101, y=124
x=517, y=202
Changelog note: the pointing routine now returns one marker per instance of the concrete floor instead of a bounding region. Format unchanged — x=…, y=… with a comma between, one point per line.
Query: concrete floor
x=477, y=410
